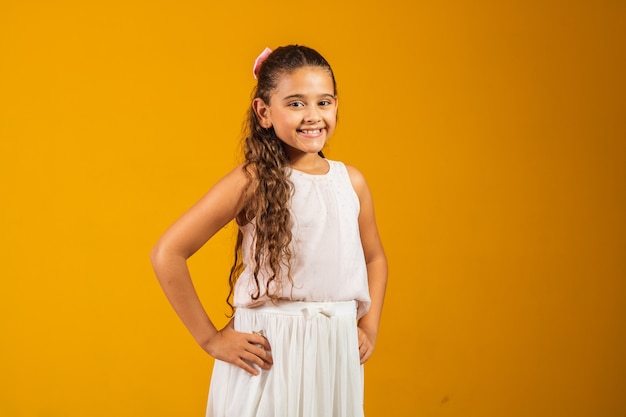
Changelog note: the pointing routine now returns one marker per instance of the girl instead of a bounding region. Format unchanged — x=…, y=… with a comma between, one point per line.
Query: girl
x=309, y=276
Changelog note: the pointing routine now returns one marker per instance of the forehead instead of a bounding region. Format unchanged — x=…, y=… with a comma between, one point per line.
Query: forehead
x=308, y=81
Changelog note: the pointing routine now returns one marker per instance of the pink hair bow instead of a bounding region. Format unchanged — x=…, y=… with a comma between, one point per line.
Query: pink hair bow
x=259, y=60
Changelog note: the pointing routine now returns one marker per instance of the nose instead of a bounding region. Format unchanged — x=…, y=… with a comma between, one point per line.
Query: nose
x=312, y=115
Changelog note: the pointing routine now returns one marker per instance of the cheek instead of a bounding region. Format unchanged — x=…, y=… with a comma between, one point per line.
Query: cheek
x=288, y=117
x=332, y=116
x=331, y=113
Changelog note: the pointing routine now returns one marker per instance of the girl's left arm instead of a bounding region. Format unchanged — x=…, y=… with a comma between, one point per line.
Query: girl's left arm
x=376, y=263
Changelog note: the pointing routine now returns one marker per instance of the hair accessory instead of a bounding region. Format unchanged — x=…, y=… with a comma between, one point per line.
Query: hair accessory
x=259, y=60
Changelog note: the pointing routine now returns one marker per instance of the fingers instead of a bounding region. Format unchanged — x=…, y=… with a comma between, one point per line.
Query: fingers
x=247, y=351
x=260, y=350
x=366, y=347
x=365, y=351
x=246, y=367
x=260, y=340
x=255, y=352
x=253, y=359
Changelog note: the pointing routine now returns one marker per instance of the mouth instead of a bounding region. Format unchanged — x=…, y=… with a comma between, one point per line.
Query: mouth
x=310, y=132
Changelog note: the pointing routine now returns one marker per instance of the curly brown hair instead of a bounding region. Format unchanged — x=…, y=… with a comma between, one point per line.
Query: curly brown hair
x=269, y=189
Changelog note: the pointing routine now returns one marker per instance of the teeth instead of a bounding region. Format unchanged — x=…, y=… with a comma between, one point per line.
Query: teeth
x=311, y=132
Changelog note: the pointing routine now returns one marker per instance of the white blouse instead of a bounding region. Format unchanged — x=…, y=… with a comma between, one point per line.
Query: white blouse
x=328, y=262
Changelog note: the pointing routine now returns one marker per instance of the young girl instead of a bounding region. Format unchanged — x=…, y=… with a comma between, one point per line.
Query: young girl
x=309, y=276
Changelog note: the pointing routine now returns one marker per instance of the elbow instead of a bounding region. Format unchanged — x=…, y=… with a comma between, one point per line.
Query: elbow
x=378, y=266
x=156, y=255
x=164, y=254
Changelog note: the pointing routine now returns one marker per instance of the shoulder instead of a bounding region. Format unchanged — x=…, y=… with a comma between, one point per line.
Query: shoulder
x=232, y=188
x=238, y=178
x=357, y=179
x=242, y=183
x=362, y=190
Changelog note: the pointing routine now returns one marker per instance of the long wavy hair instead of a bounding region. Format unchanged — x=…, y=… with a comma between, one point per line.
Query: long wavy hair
x=269, y=190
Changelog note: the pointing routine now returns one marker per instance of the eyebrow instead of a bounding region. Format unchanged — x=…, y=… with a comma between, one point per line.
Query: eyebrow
x=302, y=96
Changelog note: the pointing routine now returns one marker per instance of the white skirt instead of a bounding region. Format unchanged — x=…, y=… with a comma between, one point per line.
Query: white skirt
x=316, y=370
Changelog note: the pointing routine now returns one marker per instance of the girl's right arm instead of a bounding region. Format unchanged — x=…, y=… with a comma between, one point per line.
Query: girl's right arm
x=169, y=257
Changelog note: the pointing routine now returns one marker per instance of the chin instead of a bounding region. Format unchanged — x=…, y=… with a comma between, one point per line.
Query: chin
x=316, y=150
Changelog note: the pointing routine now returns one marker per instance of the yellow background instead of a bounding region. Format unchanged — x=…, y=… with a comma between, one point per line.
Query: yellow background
x=493, y=136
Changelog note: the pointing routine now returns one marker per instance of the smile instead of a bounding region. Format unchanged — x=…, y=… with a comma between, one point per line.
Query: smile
x=311, y=132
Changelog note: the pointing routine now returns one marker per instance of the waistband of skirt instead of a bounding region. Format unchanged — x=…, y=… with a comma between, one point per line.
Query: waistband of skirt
x=303, y=308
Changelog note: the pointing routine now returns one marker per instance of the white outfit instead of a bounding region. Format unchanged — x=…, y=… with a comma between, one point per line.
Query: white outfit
x=312, y=330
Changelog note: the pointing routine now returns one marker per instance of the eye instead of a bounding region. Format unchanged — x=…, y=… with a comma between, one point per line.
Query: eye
x=325, y=103
x=296, y=104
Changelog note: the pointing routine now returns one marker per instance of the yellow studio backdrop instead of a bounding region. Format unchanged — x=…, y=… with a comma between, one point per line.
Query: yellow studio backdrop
x=492, y=134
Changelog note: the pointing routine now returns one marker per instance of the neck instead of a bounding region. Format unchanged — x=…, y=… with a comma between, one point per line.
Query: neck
x=309, y=163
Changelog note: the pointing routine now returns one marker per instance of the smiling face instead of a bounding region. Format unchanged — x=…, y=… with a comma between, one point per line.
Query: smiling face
x=302, y=110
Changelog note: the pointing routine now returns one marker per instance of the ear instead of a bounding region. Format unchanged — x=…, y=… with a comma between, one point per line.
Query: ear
x=262, y=111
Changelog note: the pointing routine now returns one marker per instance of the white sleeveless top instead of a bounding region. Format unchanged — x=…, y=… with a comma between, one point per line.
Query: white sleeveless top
x=328, y=262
